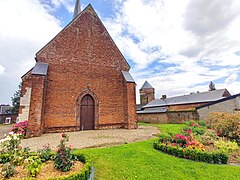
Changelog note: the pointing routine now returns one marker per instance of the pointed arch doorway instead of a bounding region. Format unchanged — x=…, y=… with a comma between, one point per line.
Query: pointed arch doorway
x=87, y=113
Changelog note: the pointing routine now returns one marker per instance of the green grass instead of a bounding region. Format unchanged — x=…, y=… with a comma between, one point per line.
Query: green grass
x=141, y=161
x=167, y=128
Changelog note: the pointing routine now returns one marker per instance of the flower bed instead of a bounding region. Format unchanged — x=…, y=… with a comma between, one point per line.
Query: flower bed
x=20, y=163
x=198, y=143
x=193, y=154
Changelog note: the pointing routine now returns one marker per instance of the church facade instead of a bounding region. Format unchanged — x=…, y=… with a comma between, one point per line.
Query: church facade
x=81, y=81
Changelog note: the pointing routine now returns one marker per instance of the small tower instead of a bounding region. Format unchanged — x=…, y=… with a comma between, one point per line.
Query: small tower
x=147, y=93
x=77, y=8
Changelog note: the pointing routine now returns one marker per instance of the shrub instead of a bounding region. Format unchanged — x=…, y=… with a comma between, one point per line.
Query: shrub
x=226, y=124
x=63, y=160
x=10, y=143
x=196, y=155
x=208, y=137
x=182, y=141
x=196, y=127
x=226, y=146
x=7, y=170
x=33, y=165
x=20, y=128
x=45, y=153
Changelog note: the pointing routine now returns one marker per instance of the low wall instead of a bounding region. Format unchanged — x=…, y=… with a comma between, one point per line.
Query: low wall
x=168, y=117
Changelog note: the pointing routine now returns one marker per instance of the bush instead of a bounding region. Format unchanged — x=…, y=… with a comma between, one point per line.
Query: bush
x=226, y=124
x=33, y=165
x=208, y=137
x=63, y=160
x=196, y=127
x=226, y=146
x=192, y=154
x=20, y=128
x=7, y=170
x=45, y=153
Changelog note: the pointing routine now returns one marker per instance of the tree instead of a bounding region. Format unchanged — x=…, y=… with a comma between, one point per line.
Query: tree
x=212, y=86
x=16, y=100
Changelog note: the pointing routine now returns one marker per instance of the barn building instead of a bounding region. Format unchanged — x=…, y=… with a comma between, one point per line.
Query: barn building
x=80, y=81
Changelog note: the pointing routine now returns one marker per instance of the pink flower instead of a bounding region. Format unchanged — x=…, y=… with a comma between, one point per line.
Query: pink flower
x=189, y=131
x=71, y=146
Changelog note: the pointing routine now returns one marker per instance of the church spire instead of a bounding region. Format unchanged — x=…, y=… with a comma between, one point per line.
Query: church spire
x=77, y=8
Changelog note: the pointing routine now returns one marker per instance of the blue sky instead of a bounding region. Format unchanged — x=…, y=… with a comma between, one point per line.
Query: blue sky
x=178, y=46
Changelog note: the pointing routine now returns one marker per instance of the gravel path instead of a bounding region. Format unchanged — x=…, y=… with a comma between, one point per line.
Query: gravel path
x=93, y=138
x=4, y=129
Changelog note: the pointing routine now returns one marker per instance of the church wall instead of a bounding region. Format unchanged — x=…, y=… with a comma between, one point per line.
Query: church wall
x=84, y=54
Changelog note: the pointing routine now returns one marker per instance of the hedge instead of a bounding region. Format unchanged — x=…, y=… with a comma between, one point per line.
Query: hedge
x=193, y=154
x=83, y=174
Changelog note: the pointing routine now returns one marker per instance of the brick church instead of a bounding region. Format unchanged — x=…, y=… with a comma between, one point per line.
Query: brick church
x=80, y=81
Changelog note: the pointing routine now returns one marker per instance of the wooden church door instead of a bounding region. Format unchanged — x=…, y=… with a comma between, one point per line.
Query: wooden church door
x=87, y=113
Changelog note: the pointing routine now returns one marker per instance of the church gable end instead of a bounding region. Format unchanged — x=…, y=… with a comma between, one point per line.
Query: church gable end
x=85, y=40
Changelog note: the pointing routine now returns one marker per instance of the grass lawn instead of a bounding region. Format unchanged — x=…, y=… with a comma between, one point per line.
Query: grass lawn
x=166, y=128
x=141, y=161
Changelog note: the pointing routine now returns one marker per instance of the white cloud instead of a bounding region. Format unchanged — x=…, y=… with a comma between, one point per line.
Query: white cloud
x=231, y=79
x=26, y=27
x=1, y=69
x=178, y=46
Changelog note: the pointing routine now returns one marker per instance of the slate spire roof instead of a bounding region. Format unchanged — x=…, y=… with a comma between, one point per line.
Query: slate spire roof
x=146, y=85
x=77, y=8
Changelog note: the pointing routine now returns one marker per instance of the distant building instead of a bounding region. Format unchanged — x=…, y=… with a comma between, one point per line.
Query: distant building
x=179, y=108
x=6, y=117
x=230, y=104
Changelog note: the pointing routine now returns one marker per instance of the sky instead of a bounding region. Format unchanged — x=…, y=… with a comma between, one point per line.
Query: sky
x=177, y=46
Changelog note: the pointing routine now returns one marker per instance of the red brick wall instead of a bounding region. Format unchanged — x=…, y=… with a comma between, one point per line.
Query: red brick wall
x=82, y=55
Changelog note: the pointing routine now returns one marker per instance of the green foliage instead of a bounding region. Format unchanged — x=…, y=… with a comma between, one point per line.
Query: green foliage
x=193, y=154
x=226, y=124
x=84, y=173
x=45, y=153
x=16, y=100
x=196, y=127
x=63, y=160
x=208, y=137
x=7, y=170
x=10, y=144
x=33, y=165
x=226, y=146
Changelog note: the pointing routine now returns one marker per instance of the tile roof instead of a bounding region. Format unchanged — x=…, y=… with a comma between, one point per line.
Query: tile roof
x=208, y=96
x=127, y=76
x=40, y=69
x=146, y=85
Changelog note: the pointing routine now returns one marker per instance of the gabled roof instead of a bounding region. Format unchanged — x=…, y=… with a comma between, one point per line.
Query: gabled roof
x=146, y=85
x=219, y=101
x=208, y=96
